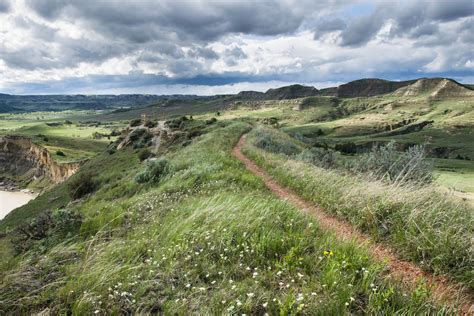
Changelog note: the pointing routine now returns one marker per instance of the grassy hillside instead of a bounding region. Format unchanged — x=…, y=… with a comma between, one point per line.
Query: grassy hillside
x=206, y=238
x=173, y=223
x=437, y=237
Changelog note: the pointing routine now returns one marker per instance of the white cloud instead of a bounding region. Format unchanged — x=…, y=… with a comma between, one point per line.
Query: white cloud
x=271, y=40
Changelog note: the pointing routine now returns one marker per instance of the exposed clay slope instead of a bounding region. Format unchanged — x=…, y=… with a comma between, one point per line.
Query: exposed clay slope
x=19, y=156
x=435, y=88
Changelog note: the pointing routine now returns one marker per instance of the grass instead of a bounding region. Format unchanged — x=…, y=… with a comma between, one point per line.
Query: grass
x=208, y=239
x=427, y=227
x=75, y=140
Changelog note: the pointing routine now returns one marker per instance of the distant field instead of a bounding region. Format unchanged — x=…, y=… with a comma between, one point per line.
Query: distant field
x=69, y=132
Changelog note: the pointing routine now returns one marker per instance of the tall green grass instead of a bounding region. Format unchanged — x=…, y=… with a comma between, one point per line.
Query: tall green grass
x=207, y=239
x=424, y=226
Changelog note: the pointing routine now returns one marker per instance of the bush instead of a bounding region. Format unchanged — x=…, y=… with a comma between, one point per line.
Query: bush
x=269, y=142
x=81, y=185
x=385, y=162
x=135, y=122
x=176, y=123
x=136, y=134
x=44, y=226
x=144, y=154
x=319, y=157
x=151, y=124
x=211, y=121
x=346, y=148
x=154, y=171
x=60, y=153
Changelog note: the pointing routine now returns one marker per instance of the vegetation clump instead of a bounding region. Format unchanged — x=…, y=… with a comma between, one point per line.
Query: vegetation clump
x=81, y=185
x=154, y=171
x=144, y=154
x=60, y=153
x=135, y=122
x=268, y=141
x=320, y=157
x=385, y=162
x=44, y=226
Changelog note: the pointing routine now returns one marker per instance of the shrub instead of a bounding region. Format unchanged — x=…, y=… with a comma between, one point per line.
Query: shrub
x=346, y=148
x=44, y=226
x=60, y=153
x=115, y=132
x=211, y=121
x=384, y=162
x=81, y=185
x=144, y=154
x=319, y=157
x=154, y=171
x=151, y=124
x=269, y=142
x=135, y=122
x=176, y=123
x=136, y=134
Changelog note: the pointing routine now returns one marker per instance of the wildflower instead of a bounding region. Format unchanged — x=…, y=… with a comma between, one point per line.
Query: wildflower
x=352, y=299
x=279, y=273
x=347, y=303
x=96, y=311
x=213, y=282
x=328, y=253
x=265, y=305
x=231, y=308
x=313, y=294
x=239, y=303
x=300, y=275
x=250, y=295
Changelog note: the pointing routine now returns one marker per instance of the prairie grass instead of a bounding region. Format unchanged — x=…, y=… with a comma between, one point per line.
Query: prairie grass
x=208, y=239
x=424, y=226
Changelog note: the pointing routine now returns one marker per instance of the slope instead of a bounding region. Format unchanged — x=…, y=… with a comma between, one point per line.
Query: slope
x=205, y=238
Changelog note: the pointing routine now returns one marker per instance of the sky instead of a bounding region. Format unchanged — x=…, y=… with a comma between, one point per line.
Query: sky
x=217, y=47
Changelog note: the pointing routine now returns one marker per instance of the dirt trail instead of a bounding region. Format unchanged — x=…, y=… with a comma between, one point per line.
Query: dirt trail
x=442, y=287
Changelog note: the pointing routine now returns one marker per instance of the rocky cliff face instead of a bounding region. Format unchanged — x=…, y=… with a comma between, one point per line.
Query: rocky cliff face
x=19, y=156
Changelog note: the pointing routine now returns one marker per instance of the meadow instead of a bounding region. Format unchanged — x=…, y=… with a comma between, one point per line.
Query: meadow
x=206, y=238
x=68, y=132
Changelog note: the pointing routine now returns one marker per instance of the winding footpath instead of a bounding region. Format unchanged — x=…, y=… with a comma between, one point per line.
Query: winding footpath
x=443, y=289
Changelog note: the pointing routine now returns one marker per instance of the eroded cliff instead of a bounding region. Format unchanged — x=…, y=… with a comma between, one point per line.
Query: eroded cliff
x=20, y=157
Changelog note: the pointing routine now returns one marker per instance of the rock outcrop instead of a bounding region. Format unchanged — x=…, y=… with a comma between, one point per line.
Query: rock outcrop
x=20, y=157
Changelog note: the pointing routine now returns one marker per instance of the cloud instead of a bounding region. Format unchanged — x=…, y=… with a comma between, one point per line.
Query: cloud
x=4, y=6
x=202, y=42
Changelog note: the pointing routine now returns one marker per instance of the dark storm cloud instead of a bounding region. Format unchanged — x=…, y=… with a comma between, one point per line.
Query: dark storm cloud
x=412, y=19
x=233, y=55
x=4, y=6
x=199, y=42
x=143, y=21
